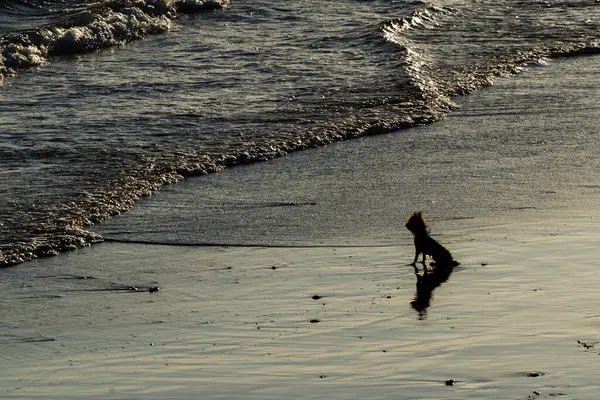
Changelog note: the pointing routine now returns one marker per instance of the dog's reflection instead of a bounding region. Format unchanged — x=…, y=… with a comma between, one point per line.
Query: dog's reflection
x=426, y=284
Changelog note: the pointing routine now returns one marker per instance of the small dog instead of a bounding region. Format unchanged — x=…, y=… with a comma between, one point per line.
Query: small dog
x=425, y=244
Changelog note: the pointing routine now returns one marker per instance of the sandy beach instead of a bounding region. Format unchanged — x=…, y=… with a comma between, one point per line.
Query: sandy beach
x=305, y=290
x=244, y=322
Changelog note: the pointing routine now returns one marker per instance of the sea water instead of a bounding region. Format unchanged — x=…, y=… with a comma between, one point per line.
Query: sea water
x=104, y=102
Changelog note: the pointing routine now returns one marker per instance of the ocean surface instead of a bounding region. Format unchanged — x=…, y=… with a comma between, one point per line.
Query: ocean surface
x=103, y=102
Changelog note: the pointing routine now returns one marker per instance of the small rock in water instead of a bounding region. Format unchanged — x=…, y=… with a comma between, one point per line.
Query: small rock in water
x=450, y=382
x=316, y=297
x=534, y=374
x=314, y=321
x=153, y=289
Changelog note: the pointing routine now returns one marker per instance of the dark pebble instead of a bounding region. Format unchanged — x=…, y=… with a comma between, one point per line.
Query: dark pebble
x=153, y=289
x=314, y=321
x=315, y=297
x=534, y=374
x=273, y=267
x=450, y=382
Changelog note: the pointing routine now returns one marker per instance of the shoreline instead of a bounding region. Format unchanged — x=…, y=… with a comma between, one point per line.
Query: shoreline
x=517, y=319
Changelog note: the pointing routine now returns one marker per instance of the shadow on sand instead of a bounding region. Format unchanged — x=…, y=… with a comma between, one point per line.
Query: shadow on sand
x=426, y=284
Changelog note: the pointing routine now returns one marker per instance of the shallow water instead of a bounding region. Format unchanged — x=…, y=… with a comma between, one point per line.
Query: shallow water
x=532, y=149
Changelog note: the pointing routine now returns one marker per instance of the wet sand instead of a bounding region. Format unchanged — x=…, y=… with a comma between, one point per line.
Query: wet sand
x=518, y=319
x=245, y=322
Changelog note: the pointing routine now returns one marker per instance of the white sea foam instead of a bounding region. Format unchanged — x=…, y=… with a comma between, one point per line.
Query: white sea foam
x=104, y=26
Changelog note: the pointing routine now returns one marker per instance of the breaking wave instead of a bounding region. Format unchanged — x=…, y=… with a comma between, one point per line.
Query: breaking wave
x=52, y=28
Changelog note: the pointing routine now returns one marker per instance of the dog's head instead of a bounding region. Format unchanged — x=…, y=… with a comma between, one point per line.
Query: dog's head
x=416, y=222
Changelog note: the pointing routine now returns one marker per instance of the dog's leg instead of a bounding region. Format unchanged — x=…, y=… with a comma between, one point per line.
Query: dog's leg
x=424, y=263
x=416, y=258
